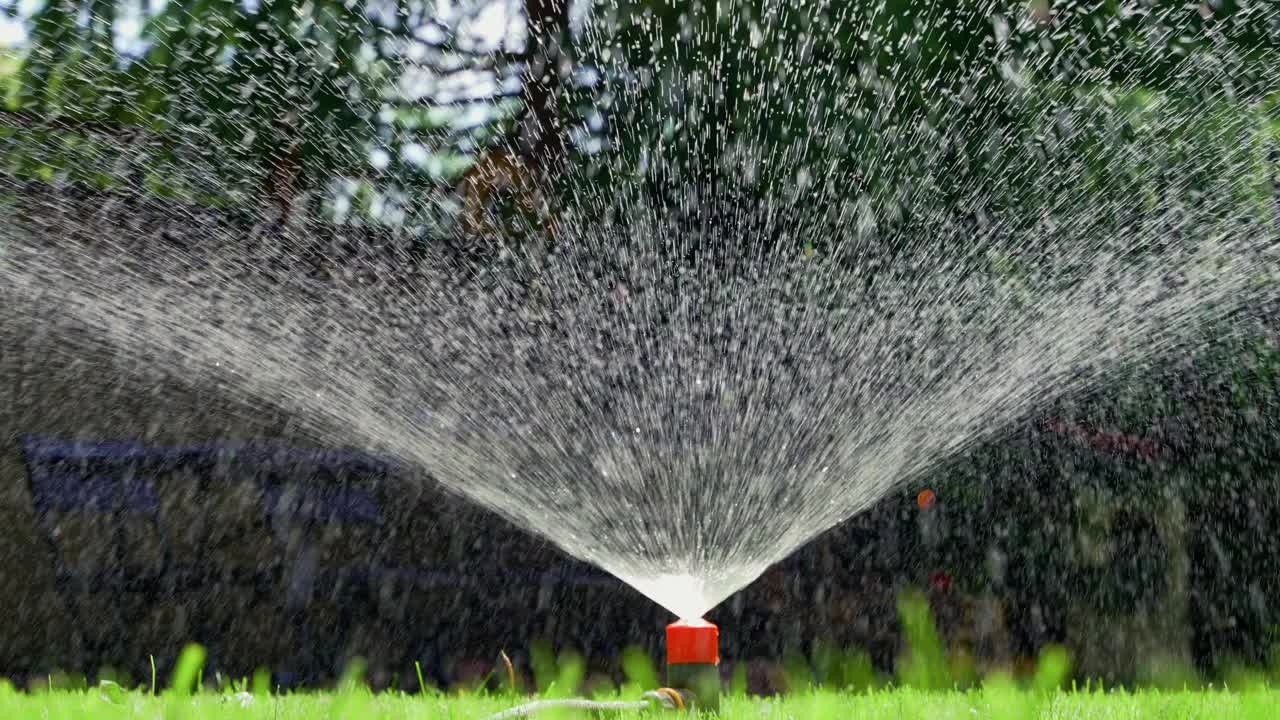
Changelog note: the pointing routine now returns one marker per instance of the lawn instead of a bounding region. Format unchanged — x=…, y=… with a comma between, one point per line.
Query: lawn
x=1045, y=693
x=900, y=704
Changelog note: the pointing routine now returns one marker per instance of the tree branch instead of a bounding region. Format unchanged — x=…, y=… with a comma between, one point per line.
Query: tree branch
x=542, y=137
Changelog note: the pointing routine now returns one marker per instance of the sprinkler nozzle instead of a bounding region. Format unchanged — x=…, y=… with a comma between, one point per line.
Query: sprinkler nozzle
x=693, y=662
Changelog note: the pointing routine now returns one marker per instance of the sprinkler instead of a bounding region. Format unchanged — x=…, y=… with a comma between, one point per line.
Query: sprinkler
x=693, y=663
x=693, y=676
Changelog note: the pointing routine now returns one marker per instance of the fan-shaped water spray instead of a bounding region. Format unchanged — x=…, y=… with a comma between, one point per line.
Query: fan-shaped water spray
x=749, y=317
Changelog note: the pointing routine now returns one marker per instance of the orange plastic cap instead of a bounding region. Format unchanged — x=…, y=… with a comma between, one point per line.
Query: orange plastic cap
x=926, y=499
x=693, y=641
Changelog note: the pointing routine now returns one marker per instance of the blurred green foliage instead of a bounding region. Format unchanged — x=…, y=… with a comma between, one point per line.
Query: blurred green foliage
x=286, y=96
x=224, y=103
x=924, y=664
x=187, y=671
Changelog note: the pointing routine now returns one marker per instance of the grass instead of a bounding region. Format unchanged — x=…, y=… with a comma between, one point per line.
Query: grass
x=1042, y=695
x=928, y=685
x=994, y=700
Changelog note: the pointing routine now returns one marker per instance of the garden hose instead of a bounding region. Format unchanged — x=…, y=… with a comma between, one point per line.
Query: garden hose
x=662, y=698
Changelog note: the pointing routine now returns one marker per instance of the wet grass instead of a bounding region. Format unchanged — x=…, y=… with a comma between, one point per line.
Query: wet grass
x=995, y=701
x=1045, y=694
x=927, y=684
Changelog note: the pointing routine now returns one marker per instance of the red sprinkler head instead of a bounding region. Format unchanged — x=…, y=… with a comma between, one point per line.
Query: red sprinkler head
x=693, y=641
x=693, y=661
